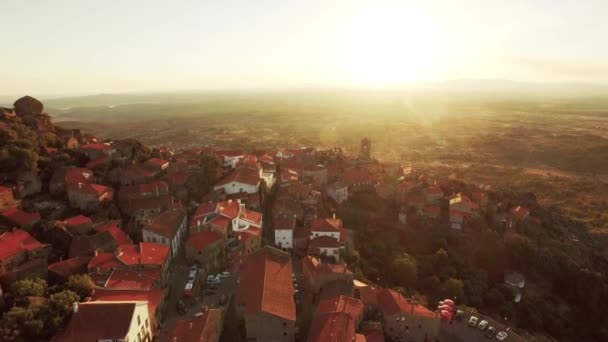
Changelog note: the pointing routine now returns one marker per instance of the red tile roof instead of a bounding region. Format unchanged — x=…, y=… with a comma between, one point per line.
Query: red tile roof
x=91, y=322
x=374, y=336
x=157, y=162
x=153, y=297
x=113, y=228
x=519, y=212
x=221, y=223
x=77, y=220
x=104, y=261
x=97, y=146
x=332, y=327
x=132, y=279
x=266, y=284
x=244, y=235
x=177, y=178
x=369, y=295
x=252, y=216
x=68, y=267
x=203, y=210
x=96, y=189
x=5, y=189
x=283, y=222
x=352, y=306
x=19, y=217
x=198, y=329
x=244, y=175
x=146, y=253
x=228, y=209
x=202, y=240
x=326, y=225
x=136, y=172
x=392, y=302
x=76, y=175
x=167, y=223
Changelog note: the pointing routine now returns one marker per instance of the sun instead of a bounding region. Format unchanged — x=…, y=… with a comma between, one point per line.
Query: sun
x=388, y=47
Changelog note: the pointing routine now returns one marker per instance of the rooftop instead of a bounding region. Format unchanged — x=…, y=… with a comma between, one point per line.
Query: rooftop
x=207, y=327
x=167, y=223
x=326, y=225
x=19, y=217
x=202, y=240
x=15, y=241
x=392, y=302
x=243, y=175
x=266, y=284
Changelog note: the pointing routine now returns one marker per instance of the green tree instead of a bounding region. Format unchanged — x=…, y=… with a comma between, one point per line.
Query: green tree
x=405, y=271
x=81, y=284
x=494, y=298
x=22, y=324
x=453, y=288
x=60, y=308
x=29, y=287
x=351, y=257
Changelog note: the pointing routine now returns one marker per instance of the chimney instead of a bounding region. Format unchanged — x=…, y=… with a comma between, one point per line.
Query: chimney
x=334, y=215
x=75, y=307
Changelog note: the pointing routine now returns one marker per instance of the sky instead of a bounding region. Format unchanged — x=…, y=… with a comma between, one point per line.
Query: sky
x=89, y=47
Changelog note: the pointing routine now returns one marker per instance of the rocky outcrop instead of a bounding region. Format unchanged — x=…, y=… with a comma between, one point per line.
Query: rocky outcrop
x=28, y=105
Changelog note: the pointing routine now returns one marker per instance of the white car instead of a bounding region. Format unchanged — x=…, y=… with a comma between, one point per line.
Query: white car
x=501, y=336
x=473, y=321
x=225, y=275
x=483, y=325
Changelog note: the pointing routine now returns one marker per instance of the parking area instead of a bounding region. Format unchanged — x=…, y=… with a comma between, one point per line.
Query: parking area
x=460, y=331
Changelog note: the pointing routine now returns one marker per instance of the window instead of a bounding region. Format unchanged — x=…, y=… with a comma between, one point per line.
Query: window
x=146, y=322
x=138, y=320
x=284, y=324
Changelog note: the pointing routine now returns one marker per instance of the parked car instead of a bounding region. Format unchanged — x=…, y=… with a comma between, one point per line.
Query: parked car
x=213, y=280
x=490, y=332
x=473, y=321
x=483, y=325
x=501, y=336
x=225, y=275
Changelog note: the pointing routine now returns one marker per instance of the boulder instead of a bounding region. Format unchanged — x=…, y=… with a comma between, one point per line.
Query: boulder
x=28, y=105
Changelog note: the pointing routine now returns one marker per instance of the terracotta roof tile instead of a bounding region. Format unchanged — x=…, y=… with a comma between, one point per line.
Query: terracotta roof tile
x=352, y=306
x=204, y=328
x=91, y=322
x=392, y=302
x=326, y=225
x=332, y=327
x=243, y=175
x=266, y=284
x=167, y=223
x=203, y=239
x=19, y=217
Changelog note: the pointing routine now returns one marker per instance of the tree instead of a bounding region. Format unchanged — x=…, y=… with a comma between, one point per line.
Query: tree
x=80, y=284
x=60, y=307
x=22, y=323
x=29, y=287
x=405, y=271
x=453, y=288
x=351, y=257
x=494, y=298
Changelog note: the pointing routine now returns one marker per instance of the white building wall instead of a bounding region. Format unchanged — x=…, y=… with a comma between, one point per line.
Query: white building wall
x=283, y=238
x=141, y=310
x=237, y=187
x=335, y=235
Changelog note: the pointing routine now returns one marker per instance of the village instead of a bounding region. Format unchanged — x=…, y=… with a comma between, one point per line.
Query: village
x=210, y=244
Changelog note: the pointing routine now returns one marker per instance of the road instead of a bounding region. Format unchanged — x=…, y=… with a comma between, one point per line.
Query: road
x=459, y=331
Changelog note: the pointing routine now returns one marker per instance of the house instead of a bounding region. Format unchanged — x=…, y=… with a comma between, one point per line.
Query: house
x=142, y=209
x=283, y=232
x=351, y=306
x=317, y=274
x=337, y=191
x=358, y=179
x=155, y=299
x=107, y=321
x=404, y=320
x=71, y=175
x=463, y=204
x=325, y=246
x=78, y=225
x=16, y=217
x=145, y=255
x=18, y=247
x=433, y=194
x=331, y=227
x=133, y=174
x=113, y=227
x=206, y=327
x=207, y=249
x=368, y=294
x=265, y=296
x=168, y=228
x=6, y=197
x=314, y=174
x=96, y=150
x=128, y=280
x=243, y=180
x=332, y=327
x=60, y=271
x=227, y=218
x=288, y=175
x=516, y=281
x=230, y=157
x=87, y=196
x=89, y=244
x=156, y=165
x=250, y=240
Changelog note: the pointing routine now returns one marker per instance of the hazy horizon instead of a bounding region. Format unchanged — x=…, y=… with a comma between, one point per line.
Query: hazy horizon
x=80, y=47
